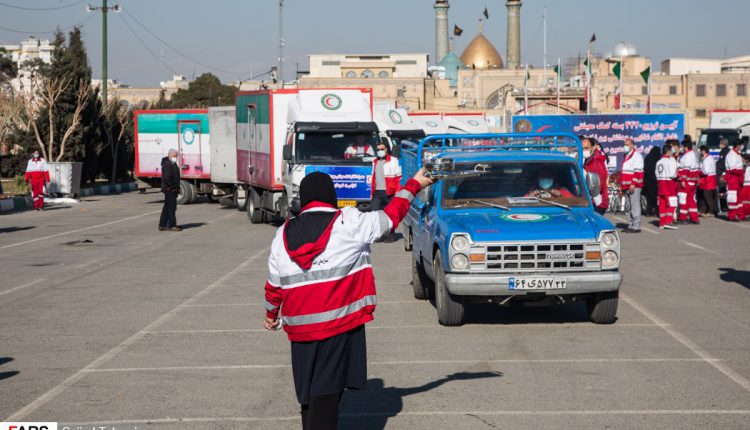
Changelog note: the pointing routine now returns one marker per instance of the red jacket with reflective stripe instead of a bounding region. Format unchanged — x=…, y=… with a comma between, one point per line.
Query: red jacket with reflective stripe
x=597, y=164
x=36, y=170
x=392, y=172
x=333, y=292
x=632, y=171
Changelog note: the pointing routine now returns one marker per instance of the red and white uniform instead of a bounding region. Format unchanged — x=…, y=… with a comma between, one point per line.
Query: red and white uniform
x=38, y=176
x=734, y=175
x=358, y=151
x=708, y=173
x=744, y=195
x=666, y=178
x=327, y=293
x=392, y=171
x=689, y=172
x=632, y=171
x=597, y=163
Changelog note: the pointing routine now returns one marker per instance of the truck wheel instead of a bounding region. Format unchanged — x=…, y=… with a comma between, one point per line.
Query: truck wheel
x=239, y=201
x=193, y=193
x=186, y=193
x=254, y=212
x=419, y=280
x=407, y=239
x=603, y=307
x=450, y=308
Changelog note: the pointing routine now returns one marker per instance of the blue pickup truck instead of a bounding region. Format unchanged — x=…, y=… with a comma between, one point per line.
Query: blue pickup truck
x=509, y=220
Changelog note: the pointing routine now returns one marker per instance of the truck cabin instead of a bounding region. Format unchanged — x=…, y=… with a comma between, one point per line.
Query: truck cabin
x=348, y=144
x=712, y=136
x=394, y=138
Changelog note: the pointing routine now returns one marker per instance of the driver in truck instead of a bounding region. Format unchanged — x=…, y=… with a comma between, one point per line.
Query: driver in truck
x=360, y=148
x=548, y=186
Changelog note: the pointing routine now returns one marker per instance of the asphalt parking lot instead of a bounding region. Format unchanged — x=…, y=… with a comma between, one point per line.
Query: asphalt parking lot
x=105, y=321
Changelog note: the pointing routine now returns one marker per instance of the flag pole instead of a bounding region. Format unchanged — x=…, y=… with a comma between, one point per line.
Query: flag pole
x=622, y=90
x=526, y=91
x=588, y=79
x=650, y=72
x=559, y=72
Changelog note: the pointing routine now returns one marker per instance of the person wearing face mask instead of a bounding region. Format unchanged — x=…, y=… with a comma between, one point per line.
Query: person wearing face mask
x=666, y=177
x=734, y=175
x=707, y=182
x=631, y=181
x=547, y=187
x=170, y=186
x=37, y=176
x=595, y=162
x=386, y=177
x=689, y=171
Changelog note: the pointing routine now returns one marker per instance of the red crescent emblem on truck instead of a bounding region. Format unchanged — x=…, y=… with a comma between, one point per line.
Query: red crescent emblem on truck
x=331, y=101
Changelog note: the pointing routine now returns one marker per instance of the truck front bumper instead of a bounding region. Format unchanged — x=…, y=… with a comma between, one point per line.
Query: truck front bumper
x=490, y=284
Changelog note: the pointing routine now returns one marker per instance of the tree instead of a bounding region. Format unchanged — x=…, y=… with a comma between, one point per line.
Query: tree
x=206, y=90
x=8, y=68
x=116, y=125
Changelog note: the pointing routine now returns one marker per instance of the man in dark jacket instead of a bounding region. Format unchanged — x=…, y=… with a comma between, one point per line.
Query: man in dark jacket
x=170, y=186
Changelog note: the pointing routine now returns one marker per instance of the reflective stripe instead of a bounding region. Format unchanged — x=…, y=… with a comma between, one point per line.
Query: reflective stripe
x=274, y=280
x=330, y=315
x=385, y=223
x=326, y=274
x=405, y=194
x=270, y=307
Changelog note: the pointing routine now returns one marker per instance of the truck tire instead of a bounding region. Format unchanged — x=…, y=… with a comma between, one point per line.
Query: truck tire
x=254, y=212
x=408, y=239
x=602, y=307
x=186, y=193
x=419, y=280
x=239, y=202
x=450, y=308
x=193, y=192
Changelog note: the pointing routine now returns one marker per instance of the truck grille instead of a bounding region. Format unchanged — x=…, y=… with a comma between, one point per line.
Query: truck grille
x=520, y=257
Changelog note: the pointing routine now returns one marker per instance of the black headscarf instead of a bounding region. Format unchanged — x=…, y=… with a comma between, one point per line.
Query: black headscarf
x=317, y=187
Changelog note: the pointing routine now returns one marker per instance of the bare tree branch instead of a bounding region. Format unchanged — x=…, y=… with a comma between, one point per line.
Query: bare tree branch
x=82, y=96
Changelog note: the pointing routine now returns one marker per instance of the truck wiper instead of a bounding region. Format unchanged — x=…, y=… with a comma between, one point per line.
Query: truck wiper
x=492, y=205
x=549, y=202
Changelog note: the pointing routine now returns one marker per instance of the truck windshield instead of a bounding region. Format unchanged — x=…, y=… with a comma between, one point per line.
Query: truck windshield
x=518, y=184
x=397, y=140
x=711, y=138
x=335, y=147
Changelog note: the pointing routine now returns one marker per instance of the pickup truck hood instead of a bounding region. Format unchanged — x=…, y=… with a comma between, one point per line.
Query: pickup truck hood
x=497, y=226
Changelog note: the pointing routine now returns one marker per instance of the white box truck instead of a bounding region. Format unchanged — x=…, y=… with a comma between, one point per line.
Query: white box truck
x=395, y=126
x=227, y=186
x=285, y=134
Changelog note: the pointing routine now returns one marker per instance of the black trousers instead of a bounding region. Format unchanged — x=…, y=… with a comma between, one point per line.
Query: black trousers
x=168, y=218
x=322, y=413
x=600, y=211
x=707, y=201
x=379, y=200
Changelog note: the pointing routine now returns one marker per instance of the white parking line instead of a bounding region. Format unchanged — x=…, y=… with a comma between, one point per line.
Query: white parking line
x=94, y=261
x=696, y=246
x=695, y=348
x=20, y=287
x=59, y=388
x=642, y=227
x=78, y=230
x=408, y=363
x=215, y=420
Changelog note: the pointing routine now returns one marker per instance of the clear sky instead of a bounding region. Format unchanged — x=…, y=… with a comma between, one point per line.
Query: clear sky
x=239, y=37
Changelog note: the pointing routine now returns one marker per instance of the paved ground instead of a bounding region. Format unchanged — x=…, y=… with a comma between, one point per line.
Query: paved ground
x=104, y=320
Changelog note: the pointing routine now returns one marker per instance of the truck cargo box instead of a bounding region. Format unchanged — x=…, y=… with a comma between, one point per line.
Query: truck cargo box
x=223, y=125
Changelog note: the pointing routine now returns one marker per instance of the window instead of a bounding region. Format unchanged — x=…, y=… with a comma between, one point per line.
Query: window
x=383, y=74
x=700, y=90
x=721, y=90
x=351, y=74
x=700, y=113
x=741, y=90
x=644, y=90
x=367, y=73
x=330, y=62
x=673, y=90
x=400, y=62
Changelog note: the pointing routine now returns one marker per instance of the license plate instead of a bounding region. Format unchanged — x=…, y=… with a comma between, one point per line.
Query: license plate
x=343, y=203
x=536, y=283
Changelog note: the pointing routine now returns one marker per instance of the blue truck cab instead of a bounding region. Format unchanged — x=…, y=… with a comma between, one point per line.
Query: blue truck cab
x=509, y=220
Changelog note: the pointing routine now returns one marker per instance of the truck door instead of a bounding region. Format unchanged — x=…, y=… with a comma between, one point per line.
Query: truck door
x=189, y=142
x=420, y=230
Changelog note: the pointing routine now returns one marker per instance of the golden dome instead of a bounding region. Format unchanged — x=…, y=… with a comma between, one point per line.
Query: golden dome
x=481, y=54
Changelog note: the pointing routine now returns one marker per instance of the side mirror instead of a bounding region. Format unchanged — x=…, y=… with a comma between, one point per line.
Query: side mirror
x=396, y=151
x=594, y=183
x=287, y=153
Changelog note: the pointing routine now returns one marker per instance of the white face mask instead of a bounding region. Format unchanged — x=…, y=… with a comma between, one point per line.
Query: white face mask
x=381, y=153
x=173, y=159
x=586, y=153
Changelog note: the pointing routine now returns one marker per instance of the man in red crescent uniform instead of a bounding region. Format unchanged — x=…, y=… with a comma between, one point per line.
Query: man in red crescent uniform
x=596, y=162
x=38, y=176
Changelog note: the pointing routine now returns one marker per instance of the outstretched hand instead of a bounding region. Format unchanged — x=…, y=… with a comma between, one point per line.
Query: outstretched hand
x=423, y=180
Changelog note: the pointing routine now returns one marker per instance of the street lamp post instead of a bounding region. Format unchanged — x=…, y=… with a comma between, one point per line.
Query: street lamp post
x=104, y=8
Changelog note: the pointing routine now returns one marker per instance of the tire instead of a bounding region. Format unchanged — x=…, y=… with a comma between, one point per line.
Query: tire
x=254, y=212
x=419, y=280
x=193, y=193
x=408, y=239
x=186, y=193
x=142, y=190
x=450, y=308
x=239, y=203
x=602, y=307
x=284, y=211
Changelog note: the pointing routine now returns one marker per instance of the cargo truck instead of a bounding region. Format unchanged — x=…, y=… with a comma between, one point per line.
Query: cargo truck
x=187, y=131
x=396, y=126
x=285, y=134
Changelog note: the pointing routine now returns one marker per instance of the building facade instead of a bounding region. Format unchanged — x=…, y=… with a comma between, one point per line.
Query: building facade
x=368, y=66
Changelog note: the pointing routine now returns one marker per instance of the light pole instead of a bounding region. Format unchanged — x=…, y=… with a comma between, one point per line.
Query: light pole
x=104, y=8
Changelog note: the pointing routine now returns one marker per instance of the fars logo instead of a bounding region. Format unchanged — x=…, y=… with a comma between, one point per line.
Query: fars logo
x=28, y=426
x=432, y=124
x=188, y=136
x=473, y=122
x=395, y=117
x=331, y=101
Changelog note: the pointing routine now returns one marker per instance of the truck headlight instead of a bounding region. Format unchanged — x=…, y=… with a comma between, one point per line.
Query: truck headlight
x=460, y=262
x=610, y=240
x=610, y=260
x=460, y=243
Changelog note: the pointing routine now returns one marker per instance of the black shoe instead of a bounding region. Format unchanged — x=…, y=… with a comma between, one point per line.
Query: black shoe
x=163, y=228
x=695, y=222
